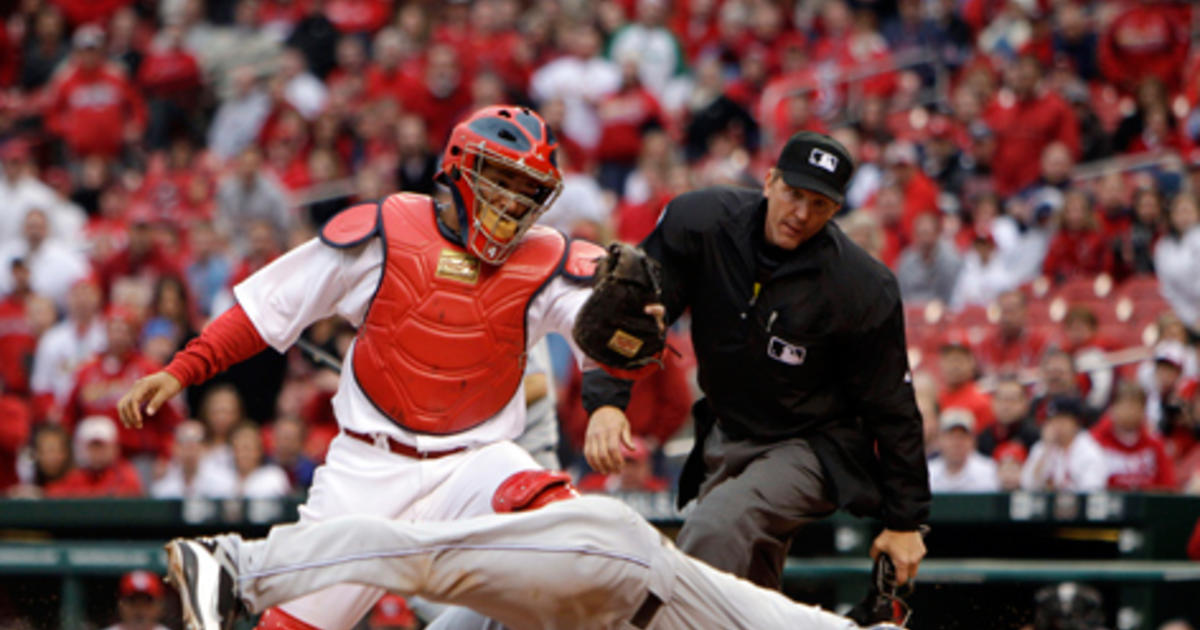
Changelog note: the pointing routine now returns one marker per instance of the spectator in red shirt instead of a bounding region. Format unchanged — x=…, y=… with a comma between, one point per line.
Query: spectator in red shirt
x=1077, y=248
x=1012, y=346
x=1025, y=120
x=141, y=258
x=658, y=404
x=15, y=423
x=17, y=340
x=386, y=76
x=959, y=388
x=637, y=475
x=441, y=94
x=170, y=78
x=920, y=192
x=101, y=471
x=100, y=383
x=624, y=116
x=94, y=107
x=1136, y=459
x=1146, y=39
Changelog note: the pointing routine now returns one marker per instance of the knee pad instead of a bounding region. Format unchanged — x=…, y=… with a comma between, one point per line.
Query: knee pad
x=276, y=619
x=531, y=489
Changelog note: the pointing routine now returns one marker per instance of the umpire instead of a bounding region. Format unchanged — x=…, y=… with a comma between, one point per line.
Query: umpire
x=799, y=335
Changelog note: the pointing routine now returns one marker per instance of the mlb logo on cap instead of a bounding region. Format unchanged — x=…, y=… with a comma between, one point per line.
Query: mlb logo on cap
x=816, y=162
x=821, y=159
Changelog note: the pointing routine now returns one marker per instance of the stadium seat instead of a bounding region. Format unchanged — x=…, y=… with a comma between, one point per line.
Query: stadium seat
x=1140, y=288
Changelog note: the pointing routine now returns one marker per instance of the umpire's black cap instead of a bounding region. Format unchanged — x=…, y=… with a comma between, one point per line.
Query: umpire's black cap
x=814, y=161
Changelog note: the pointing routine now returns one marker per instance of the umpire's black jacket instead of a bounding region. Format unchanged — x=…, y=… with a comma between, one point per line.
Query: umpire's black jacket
x=817, y=351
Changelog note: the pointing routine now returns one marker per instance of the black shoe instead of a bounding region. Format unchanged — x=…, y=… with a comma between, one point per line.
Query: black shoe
x=205, y=575
x=884, y=603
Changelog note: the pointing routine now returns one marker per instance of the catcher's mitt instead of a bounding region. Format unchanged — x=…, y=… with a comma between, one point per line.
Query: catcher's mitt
x=613, y=327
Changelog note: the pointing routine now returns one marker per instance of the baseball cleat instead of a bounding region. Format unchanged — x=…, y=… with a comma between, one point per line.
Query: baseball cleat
x=204, y=575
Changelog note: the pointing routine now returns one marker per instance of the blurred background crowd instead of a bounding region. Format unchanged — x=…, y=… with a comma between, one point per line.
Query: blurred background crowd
x=1028, y=168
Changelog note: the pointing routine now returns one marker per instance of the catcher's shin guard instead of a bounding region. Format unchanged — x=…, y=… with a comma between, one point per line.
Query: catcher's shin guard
x=276, y=619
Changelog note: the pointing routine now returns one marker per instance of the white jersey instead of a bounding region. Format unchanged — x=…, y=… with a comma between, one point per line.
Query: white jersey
x=59, y=354
x=978, y=474
x=1081, y=467
x=315, y=281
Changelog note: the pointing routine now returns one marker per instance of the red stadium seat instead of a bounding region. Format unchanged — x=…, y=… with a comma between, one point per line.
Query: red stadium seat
x=1140, y=288
x=973, y=315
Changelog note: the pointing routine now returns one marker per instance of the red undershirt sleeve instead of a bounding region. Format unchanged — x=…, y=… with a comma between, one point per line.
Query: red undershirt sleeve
x=230, y=338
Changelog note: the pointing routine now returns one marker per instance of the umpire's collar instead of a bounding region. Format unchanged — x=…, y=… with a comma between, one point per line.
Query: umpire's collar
x=745, y=227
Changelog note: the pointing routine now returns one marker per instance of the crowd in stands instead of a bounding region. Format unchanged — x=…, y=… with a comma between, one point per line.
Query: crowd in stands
x=1029, y=169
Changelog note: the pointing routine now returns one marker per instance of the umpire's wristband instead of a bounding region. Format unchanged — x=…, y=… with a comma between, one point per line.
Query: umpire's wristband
x=601, y=388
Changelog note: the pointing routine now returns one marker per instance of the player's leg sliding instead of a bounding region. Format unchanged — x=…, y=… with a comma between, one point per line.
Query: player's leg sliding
x=205, y=578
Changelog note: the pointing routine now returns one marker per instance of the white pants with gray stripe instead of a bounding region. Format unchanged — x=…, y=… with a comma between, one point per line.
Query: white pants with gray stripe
x=582, y=563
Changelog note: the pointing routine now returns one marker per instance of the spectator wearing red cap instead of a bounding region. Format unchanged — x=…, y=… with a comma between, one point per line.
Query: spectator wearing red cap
x=53, y=264
x=959, y=389
x=391, y=612
x=140, y=603
x=68, y=344
x=94, y=108
x=1025, y=121
x=1010, y=458
x=100, y=470
x=1012, y=346
x=100, y=383
x=636, y=476
x=1014, y=422
x=960, y=468
x=1136, y=459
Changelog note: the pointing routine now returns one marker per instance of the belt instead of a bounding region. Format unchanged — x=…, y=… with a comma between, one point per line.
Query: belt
x=383, y=441
x=645, y=612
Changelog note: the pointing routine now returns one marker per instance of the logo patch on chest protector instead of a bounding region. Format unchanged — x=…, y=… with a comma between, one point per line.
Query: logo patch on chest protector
x=785, y=352
x=459, y=266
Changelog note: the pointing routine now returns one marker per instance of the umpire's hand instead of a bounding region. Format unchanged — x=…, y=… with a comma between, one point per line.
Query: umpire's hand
x=905, y=549
x=607, y=431
x=151, y=392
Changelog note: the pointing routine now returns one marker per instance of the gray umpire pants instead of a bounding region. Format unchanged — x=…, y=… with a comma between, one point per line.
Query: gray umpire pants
x=754, y=499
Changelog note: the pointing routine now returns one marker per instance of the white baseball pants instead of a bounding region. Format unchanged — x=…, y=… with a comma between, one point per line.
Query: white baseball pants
x=590, y=563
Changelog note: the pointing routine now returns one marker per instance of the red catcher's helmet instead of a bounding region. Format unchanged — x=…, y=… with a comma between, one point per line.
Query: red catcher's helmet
x=500, y=167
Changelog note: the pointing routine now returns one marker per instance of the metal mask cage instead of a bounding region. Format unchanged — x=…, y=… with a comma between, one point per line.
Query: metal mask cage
x=502, y=229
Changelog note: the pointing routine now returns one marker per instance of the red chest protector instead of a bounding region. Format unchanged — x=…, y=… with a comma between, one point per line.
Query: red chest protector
x=442, y=347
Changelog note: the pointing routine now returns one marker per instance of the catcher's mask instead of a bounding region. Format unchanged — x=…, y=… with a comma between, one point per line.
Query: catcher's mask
x=501, y=170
